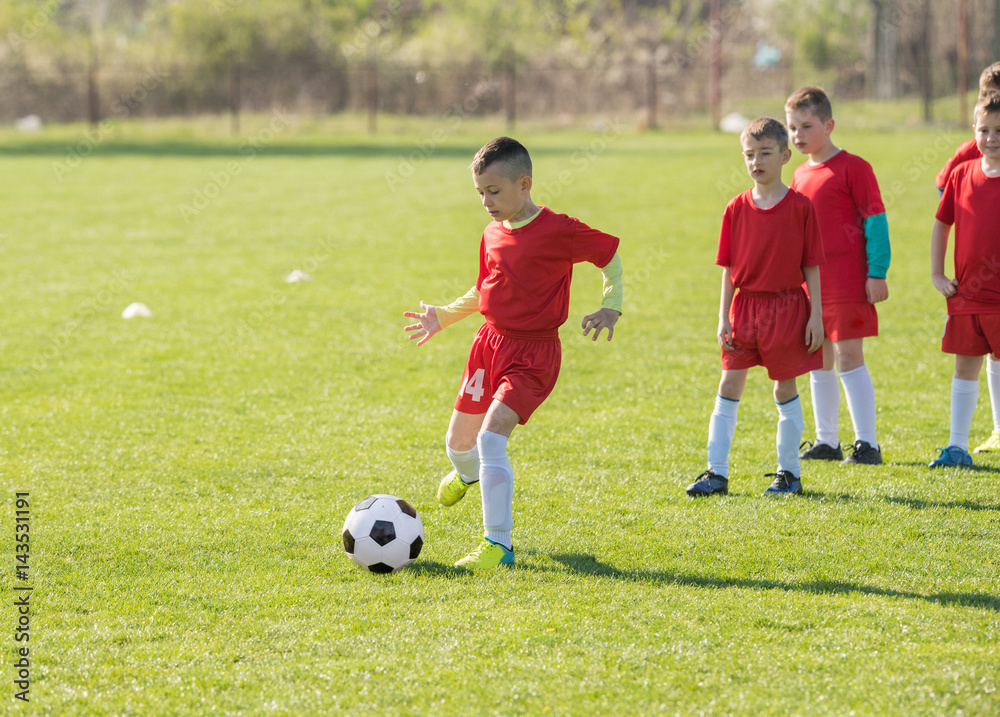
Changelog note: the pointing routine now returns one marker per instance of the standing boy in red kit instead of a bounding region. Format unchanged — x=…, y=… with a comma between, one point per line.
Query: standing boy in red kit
x=971, y=202
x=526, y=258
x=989, y=81
x=843, y=188
x=768, y=245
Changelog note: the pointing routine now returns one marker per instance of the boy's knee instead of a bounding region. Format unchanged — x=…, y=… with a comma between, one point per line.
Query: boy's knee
x=785, y=391
x=459, y=442
x=462, y=431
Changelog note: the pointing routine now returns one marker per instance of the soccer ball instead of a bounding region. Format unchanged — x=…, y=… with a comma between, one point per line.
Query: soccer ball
x=383, y=533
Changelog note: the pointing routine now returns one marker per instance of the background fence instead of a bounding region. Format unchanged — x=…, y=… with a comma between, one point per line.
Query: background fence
x=933, y=55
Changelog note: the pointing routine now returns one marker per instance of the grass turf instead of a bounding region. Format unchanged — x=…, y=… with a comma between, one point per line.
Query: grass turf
x=189, y=473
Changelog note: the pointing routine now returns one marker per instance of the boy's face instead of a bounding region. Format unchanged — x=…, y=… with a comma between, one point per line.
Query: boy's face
x=988, y=135
x=764, y=159
x=504, y=198
x=807, y=132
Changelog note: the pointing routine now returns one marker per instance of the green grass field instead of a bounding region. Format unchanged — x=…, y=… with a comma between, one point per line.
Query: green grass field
x=188, y=473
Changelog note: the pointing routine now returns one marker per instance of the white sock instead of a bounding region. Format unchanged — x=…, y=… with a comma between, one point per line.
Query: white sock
x=860, y=393
x=964, y=395
x=497, y=479
x=790, y=427
x=826, y=406
x=721, y=428
x=465, y=462
x=993, y=383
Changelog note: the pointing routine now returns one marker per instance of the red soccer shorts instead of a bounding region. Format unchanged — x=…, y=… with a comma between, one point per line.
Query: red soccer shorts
x=971, y=334
x=856, y=320
x=770, y=330
x=517, y=369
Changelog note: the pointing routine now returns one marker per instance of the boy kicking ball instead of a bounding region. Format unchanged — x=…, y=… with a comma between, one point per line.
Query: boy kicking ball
x=971, y=202
x=769, y=244
x=526, y=258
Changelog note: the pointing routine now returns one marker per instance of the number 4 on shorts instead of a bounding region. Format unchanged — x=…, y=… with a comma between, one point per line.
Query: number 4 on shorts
x=474, y=386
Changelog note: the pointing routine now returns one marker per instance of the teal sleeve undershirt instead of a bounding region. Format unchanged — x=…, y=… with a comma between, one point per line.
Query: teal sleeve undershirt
x=877, y=245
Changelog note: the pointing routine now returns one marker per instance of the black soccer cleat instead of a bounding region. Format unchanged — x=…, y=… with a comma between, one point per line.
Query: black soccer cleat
x=820, y=452
x=708, y=483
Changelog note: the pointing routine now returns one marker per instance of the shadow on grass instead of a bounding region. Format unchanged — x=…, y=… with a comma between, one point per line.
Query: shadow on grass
x=585, y=564
x=948, y=471
x=432, y=568
x=917, y=503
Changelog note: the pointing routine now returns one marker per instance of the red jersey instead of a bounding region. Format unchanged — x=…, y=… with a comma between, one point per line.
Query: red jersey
x=971, y=202
x=765, y=249
x=966, y=151
x=525, y=273
x=845, y=193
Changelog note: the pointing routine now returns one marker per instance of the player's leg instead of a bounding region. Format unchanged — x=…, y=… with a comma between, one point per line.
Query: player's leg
x=722, y=424
x=860, y=393
x=467, y=418
x=825, y=392
x=964, y=395
x=993, y=384
x=497, y=479
x=524, y=372
x=721, y=429
x=496, y=473
x=460, y=445
x=791, y=423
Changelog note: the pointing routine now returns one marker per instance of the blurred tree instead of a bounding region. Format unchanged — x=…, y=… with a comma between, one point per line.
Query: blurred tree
x=654, y=30
x=827, y=38
x=884, y=52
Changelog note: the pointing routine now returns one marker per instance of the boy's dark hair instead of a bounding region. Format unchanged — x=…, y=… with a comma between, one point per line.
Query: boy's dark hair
x=507, y=151
x=766, y=128
x=990, y=79
x=812, y=99
x=989, y=103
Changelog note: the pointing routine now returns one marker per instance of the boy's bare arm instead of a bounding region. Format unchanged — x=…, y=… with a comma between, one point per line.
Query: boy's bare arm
x=939, y=247
x=725, y=331
x=814, y=327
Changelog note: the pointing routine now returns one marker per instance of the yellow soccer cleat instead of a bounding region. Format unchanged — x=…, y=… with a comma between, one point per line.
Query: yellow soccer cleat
x=992, y=444
x=487, y=556
x=452, y=489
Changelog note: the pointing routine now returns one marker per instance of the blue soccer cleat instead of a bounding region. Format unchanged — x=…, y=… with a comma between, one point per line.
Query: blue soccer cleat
x=951, y=457
x=708, y=483
x=784, y=484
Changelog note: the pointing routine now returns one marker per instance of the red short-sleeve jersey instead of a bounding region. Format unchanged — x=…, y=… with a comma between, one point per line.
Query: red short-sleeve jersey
x=971, y=202
x=966, y=151
x=765, y=249
x=845, y=193
x=525, y=273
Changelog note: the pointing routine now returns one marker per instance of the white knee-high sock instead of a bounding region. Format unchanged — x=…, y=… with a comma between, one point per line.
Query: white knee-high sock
x=860, y=393
x=993, y=383
x=964, y=395
x=497, y=478
x=465, y=462
x=790, y=427
x=721, y=428
x=826, y=406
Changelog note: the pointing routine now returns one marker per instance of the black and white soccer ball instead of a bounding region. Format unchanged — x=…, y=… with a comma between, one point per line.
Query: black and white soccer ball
x=383, y=533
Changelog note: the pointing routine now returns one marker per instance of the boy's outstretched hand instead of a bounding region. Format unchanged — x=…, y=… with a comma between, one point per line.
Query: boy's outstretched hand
x=427, y=324
x=601, y=319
